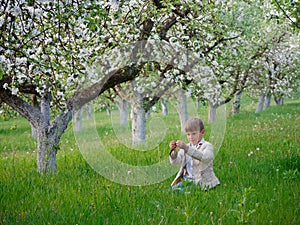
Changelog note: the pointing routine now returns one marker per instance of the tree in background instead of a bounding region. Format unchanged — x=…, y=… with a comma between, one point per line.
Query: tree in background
x=46, y=48
x=276, y=71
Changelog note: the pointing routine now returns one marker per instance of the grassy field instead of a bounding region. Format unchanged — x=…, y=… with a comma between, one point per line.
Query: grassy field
x=258, y=165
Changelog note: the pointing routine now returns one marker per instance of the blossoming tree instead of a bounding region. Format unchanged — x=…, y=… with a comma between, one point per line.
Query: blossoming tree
x=46, y=48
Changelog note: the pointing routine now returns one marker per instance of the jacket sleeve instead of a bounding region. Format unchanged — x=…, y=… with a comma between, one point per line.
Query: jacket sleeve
x=178, y=160
x=205, y=153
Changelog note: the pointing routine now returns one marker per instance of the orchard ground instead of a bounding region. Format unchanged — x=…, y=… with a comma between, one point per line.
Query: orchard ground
x=258, y=165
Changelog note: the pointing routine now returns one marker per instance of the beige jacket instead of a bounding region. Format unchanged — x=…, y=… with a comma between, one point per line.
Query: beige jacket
x=202, y=157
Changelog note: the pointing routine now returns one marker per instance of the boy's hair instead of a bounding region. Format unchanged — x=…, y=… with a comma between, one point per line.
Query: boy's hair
x=194, y=124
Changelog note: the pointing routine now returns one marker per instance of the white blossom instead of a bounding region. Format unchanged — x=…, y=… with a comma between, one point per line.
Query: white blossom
x=21, y=61
x=140, y=90
x=5, y=86
x=15, y=90
x=21, y=78
x=215, y=63
x=60, y=93
x=132, y=2
x=1, y=20
x=16, y=11
x=153, y=84
x=2, y=59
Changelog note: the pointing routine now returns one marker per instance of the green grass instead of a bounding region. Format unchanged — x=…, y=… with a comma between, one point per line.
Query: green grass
x=258, y=166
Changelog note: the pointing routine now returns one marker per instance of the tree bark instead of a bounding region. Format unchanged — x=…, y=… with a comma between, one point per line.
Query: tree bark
x=279, y=100
x=123, y=111
x=37, y=106
x=47, y=150
x=198, y=102
x=108, y=112
x=212, y=112
x=164, y=106
x=182, y=108
x=78, y=119
x=260, y=105
x=138, y=124
x=89, y=110
x=47, y=147
x=267, y=100
x=236, y=105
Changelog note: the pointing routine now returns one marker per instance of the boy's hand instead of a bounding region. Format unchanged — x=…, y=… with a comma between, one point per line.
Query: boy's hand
x=182, y=145
x=173, y=145
x=173, y=152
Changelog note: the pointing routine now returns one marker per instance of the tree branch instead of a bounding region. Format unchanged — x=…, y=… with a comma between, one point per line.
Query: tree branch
x=222, y=39
x=32, y=114
x=122, y=75
x=169, y=23
x=158, y=4
x=286, y=15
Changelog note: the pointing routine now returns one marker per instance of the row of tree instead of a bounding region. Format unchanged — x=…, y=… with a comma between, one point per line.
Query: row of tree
x=57, y=56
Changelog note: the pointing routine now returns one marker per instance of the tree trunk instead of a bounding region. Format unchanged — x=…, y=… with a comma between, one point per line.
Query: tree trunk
x=236, y=105
x=37, y=106
x=78, y=119
x=182, y=109
x=267, y=100
x=148, y=114
x=89, y=110
x=123, y=110
x=138, y=124
x=279, y=100
x=33, y=132
x=212, y=112
x=47, y=148
x=260, y=105
x=198, y=102
x=108, y=112
x=164, y=106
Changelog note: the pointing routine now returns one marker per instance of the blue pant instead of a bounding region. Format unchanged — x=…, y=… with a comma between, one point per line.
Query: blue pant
x=185, y=184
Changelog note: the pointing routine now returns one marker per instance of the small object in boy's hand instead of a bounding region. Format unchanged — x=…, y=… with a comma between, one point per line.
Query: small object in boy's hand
x=173, y=149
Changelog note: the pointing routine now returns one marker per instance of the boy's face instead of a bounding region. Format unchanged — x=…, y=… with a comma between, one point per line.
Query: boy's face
x=195, y=136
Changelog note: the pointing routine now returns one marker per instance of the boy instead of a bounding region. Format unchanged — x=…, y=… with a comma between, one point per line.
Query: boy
x=195, y=158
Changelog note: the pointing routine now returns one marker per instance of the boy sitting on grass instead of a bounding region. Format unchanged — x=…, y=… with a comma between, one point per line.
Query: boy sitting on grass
x=195, y=158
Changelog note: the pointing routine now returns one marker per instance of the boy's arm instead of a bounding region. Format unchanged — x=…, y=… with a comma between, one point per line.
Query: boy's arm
x=205, y=153
x=176, y=157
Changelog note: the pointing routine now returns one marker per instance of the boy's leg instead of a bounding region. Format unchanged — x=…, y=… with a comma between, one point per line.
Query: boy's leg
x=178, y=186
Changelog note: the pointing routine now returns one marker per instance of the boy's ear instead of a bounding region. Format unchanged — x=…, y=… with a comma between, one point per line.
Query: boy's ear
x=202, y=131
